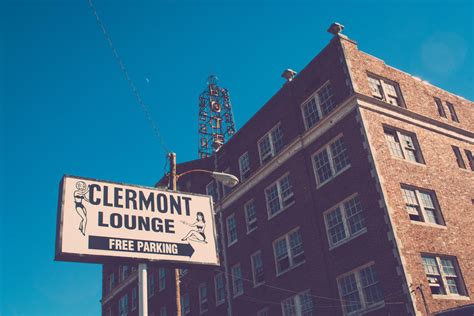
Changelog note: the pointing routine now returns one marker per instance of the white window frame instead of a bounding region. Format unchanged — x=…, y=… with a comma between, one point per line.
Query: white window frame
x=442, y=274
x=364, y=307
x=247, y=221
x=161, y=279
x=229, y=241
x=234, y=290
x=385, y=96
x=206, y=301
x=272, y=152
x=244, y=174
x=434, y=199
x=315, y=97
x=327, y=148
x=342, y=209
x=291, y=265
x=280, y=197
x=252, y=263
x=221, y=276
x=405, y=147
x=297, y=300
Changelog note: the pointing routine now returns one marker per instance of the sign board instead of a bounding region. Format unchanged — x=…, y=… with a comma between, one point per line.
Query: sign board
x=99, y=220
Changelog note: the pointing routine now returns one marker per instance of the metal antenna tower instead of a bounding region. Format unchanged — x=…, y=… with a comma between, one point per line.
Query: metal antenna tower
x=216, y=121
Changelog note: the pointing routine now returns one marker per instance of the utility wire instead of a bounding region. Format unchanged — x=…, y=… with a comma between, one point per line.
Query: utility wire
x=132, y=85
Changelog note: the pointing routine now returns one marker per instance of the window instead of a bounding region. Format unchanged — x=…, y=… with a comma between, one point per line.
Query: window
x=244, y=166
x=330, y=161
x=270, y=144
x=211, y=189
x=422, y=205
x=237, y=282
x=319, y=105
x=443, y=275
x=231, y=230
x=459, y=159
x=385, y=90
x=183, y=272
x=279, y=195
x=344, y=221
x=403, y=145
x=439, y=106
x=185, y=304
x=470, y=158
x=263, y=312
x=161, y=279
x=163, y=311
x=250, y=216
x=220, y=289
x=111, y=282
x=151, y=284
x=134, y=298
x=258, y=271
x=123, y=305
x=452, y=111
x=359, y=290
x=124, y=272
x=203, y=304
x=288, y=251
x=299, y=305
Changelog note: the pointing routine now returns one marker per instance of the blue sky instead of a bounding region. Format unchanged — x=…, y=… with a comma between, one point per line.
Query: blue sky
x=66, y=108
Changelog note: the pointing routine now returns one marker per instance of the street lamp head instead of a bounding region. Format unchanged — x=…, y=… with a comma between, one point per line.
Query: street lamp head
x=227, y=179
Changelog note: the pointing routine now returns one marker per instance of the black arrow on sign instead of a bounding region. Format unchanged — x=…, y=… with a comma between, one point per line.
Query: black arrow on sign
x=185, y=250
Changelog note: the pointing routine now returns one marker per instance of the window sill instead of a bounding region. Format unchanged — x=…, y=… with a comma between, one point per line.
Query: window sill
x=258, y=285
x=451, y=297
x=319, y=185
x=220, y=303
x=203, y=312
x=237, y=295
x=345, y=241
x=281, y=211
x=290, y=268
x=429, y=224
x=232, y=243
x=252, y=230
x=419, y=164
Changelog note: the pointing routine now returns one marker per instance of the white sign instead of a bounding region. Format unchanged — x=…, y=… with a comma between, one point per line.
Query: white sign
x=99, y=219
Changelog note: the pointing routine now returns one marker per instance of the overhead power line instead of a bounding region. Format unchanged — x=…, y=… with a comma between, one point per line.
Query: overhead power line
x=132, y=85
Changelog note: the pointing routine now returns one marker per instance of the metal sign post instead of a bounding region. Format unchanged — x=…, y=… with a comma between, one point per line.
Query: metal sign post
x=142, y=290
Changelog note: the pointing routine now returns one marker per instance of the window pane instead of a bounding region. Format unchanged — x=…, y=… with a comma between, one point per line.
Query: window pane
x=409, y=145
x=258, y=271
x=448, y=267
x=375, y=87
x=323, y=168
x=350, y=295
x=251, y=216
x=393, y=144
x=430, y=266
x=339, y=154
x=264, y=147
x=452, y=286
x=310, y=113
x=296, y=245
x=355, y=219
x=289, y=307
x=244, y=165
x=390, y=89
x=370, y=285
x=277, y=139
x=325, y=99
x=307, y=304
x=273, y=201
x=335, y=225
x=231, y=229
x=286, y=189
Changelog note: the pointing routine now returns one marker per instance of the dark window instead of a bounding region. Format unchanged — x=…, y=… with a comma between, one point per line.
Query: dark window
x=470, y=158
x=459, y=159
x=440, y=108
x=452, y=111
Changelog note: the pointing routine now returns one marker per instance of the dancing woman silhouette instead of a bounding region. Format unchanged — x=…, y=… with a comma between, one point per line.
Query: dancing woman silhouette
x=79, y=196
x=197, y=234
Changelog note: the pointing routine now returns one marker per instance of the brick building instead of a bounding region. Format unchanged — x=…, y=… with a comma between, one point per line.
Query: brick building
x=356, y=197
